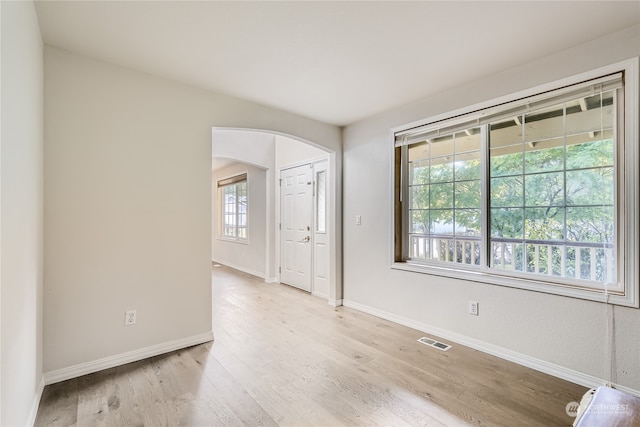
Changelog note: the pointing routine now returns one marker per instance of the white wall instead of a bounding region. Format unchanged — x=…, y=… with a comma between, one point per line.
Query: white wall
x=128, y=205
x=246, y=256
x=550, y=331
x=289, y=152
x=21, y=213
x=251, y=147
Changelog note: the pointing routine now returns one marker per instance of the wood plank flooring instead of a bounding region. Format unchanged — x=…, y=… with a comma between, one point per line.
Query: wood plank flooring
x=283, y=357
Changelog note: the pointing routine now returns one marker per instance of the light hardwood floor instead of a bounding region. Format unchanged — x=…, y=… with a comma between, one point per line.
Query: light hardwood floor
x=284, y=357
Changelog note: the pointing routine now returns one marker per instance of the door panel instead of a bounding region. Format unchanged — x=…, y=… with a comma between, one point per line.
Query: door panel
x=296, y=221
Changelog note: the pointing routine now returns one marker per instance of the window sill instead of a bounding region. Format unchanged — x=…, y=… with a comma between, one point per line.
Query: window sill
x=492, y=278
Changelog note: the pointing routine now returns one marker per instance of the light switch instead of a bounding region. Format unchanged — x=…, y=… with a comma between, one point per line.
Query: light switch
x=358, y=220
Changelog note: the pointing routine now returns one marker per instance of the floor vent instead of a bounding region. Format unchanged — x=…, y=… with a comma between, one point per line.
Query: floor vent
x=434, y=343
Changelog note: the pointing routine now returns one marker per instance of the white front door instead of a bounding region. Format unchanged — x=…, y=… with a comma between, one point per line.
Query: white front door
x=296, y=221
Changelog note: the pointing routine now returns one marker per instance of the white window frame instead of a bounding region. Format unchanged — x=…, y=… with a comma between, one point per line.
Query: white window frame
x=221, y=184
x=628, y=207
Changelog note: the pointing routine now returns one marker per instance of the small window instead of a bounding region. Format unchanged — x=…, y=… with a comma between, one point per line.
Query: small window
x=232, y=194
x=321, y=201
x=534, y=193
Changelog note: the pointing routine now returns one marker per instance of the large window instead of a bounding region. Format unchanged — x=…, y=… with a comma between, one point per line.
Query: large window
x=539, y=192
x=232, y=193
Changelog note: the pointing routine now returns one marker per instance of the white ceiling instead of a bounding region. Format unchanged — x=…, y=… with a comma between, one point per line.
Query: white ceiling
x=337, y=62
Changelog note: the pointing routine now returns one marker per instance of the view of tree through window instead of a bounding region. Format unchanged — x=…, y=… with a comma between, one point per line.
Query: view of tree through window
x=533, y=193
x=552, y=191
x=445, y=194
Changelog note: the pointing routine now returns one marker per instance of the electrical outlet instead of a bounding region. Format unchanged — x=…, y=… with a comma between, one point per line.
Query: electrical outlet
x=473, y=308
x=130, y=317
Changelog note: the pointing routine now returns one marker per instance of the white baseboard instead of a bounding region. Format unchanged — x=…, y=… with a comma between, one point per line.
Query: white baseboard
x=271, y=280
x=241, y=268
x=36, y=403
x=319, y=295
x=338, y=303
x=558, y=371
x=124, y=358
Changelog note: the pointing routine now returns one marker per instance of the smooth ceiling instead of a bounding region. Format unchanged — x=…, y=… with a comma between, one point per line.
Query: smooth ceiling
x=337, y=62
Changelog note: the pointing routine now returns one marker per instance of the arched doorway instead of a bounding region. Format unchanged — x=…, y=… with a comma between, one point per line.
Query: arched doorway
x=268, y=157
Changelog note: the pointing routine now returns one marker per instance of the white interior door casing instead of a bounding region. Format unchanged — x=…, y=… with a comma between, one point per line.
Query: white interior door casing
x=296, y=219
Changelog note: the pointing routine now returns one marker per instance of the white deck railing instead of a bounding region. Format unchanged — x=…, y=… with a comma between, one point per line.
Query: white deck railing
x=463, y=250
x=585, y=261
